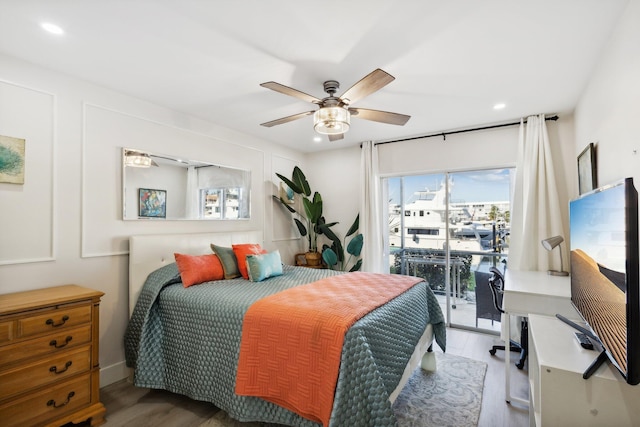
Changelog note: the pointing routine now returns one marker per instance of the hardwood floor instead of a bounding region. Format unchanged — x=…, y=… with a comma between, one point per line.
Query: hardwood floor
x=131, y=406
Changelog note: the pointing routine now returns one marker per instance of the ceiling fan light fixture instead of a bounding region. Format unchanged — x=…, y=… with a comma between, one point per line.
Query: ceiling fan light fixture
x=137, y=160
x=331, y=120
x=333, y=116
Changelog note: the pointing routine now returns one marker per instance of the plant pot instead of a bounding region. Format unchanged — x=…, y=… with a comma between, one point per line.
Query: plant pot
x=313, y=258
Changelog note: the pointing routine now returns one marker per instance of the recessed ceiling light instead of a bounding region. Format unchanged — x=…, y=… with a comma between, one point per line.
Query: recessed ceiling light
x=52, y=28
x=499, y=106
x=317, y=139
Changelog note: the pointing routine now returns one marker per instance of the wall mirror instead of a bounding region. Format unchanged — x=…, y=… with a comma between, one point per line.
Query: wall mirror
x=166, y=187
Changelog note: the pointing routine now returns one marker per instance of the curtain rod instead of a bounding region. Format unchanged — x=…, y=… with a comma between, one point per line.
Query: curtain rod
x=444, y=134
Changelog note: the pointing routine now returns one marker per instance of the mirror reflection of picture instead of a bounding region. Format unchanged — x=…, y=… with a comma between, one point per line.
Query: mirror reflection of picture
x=153, y=203
x=587, y=169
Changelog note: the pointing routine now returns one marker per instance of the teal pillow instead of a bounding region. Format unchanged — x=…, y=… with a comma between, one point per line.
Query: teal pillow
x=263, y=266
x=228, y=260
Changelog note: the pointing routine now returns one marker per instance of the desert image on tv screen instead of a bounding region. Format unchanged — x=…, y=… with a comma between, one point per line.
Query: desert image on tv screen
x=598, y=256
x=601, y=303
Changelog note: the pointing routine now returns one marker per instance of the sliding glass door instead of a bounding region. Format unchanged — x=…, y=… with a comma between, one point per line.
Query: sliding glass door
x=450, y=228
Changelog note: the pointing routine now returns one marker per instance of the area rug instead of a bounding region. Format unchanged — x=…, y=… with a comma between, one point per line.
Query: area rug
x=450, y=396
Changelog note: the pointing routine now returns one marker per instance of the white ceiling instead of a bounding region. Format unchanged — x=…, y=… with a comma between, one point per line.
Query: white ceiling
x=453, y=60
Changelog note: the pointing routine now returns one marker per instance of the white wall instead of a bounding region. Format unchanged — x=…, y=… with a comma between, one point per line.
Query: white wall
x=472, y=150
x=608, y=111
x=64, y=225
x=335, y=174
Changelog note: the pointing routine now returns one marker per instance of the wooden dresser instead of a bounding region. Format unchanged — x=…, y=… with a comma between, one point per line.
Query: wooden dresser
x=49, y=369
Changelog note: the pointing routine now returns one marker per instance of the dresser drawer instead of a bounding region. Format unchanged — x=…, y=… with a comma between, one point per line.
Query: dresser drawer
x=51, y=403
x=59, y=318
x=49, y=344
x=6, y=331
x=29, y=376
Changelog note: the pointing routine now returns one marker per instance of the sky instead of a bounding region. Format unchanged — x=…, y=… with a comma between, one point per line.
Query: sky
x=475, y=186
x=598, y=227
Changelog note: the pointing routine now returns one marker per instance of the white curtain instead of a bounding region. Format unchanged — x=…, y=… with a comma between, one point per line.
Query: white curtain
x=535, y=203
x=191, y=208
x=371, y=226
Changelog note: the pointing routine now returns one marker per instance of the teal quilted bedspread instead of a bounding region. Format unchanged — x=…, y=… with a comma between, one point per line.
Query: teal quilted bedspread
x=186, y=340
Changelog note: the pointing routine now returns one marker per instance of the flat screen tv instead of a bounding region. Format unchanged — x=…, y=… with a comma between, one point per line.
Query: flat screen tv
x=605, y=289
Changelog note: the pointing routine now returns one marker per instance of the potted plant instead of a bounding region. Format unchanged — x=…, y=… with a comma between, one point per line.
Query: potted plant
x=310, y=223
x=334, y=255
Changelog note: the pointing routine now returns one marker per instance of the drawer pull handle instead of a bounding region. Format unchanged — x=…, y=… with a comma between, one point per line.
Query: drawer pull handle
x=53, y=402
x=54, y=343
x=64, y=320
x=54, y=369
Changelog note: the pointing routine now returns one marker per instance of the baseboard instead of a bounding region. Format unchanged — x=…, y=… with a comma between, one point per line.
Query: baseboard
x=114, y=373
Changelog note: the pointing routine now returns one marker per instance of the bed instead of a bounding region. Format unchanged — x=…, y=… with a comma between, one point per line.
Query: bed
x=187, y=340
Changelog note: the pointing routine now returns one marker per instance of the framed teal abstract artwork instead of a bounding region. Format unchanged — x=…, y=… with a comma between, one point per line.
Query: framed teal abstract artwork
x=12, y=160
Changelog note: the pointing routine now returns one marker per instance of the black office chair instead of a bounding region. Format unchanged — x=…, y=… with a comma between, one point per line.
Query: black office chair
x=496, y=283
x=485, y=308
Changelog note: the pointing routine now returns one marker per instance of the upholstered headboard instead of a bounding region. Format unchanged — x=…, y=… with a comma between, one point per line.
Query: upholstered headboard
x=152, y=251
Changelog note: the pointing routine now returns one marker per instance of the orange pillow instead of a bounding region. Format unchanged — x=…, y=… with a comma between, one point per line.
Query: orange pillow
x=196, y=269
x=241, y=252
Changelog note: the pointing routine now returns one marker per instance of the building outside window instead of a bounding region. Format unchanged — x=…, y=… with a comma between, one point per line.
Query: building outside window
x=446, y=227
x=220, y=203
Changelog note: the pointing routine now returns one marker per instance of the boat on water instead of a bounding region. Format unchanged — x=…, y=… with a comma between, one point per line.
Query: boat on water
x=426, y=222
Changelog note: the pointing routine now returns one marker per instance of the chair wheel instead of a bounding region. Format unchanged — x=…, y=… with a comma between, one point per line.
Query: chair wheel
x=492, y=352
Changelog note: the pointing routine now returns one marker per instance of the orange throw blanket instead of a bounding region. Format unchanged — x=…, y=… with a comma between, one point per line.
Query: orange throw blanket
x=292, y=341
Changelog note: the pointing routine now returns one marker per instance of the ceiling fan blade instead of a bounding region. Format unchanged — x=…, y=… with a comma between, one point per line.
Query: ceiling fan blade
x=336, y=136
x=286, y=119
x=372, y=82
x=380, y=116
x=291, y=92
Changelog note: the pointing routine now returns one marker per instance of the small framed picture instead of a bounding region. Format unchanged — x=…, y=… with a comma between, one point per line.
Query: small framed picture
x=287, y=194
x=587, y=177
x=12, y=160
x=153, y=203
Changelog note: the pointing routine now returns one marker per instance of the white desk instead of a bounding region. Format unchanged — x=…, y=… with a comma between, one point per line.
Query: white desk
x=532, y=292
x=559, y=394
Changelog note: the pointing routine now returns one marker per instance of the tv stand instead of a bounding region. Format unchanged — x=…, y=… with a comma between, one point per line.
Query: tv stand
x=559, y=396
x=591, y=369
x=602, y=357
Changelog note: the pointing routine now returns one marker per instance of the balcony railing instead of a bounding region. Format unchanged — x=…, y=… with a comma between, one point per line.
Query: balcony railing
x=431, y=265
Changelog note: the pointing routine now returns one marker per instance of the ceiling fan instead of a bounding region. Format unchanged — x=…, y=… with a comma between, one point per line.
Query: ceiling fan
x=333, y=118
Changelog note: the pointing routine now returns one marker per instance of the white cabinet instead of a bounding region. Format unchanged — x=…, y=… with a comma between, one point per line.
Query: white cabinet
x=560, y=396
x=532, y=292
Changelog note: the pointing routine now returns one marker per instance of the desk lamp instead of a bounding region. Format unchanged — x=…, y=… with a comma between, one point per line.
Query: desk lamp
x=549, y=244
